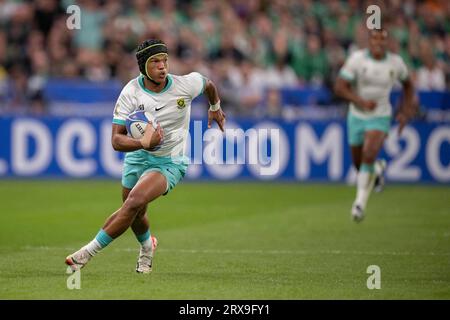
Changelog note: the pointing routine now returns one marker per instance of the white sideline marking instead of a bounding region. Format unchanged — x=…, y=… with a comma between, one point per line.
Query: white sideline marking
x=275, y=252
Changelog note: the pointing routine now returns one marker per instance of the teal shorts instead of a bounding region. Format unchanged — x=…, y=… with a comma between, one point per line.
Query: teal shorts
x=138, y=163
x=356, y=127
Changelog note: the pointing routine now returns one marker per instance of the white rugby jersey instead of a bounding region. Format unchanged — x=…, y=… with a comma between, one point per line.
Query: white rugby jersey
x=373, y=80
x=171, y=108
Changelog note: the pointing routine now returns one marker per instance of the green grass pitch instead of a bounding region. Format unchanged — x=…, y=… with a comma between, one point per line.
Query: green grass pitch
x=229, y=241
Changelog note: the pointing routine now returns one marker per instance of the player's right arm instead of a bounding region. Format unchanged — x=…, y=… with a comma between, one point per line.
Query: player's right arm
x=343, y=86
x=343, y=89
x=122, y=142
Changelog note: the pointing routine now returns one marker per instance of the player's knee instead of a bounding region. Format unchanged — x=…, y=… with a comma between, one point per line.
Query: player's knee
x=134, y=204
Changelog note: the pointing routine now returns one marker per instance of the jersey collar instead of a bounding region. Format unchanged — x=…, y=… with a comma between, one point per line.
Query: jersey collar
x=142, y=86
x=368, y=54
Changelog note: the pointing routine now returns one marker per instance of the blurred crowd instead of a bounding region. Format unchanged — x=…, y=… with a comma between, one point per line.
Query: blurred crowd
x=250, y=48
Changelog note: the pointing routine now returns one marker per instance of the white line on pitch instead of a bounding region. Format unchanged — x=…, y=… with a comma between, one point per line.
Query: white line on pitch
x=275, y=252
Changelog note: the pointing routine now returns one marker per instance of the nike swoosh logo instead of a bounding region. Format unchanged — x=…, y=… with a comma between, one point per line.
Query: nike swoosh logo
x=157, y=109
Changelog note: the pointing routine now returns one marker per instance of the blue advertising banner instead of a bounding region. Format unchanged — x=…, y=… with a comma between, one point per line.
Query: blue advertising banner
x=251, y=150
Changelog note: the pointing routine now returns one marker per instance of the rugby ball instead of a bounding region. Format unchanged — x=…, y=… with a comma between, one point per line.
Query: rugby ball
x=137, y=122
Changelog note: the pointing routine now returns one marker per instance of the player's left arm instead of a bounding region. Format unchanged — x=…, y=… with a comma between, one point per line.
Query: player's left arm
x=215, y=112
x=408, y=107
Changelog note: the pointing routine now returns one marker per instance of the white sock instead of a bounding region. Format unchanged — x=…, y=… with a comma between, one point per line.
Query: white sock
x=147, y=244
x=93, y=247
x=364, y=184
x=145, y=240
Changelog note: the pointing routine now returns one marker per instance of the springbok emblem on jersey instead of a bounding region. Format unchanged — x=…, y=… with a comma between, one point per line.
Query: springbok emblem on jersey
x=180, y=103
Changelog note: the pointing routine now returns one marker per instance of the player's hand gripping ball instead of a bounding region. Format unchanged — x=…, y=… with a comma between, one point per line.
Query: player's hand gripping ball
x=137, y=122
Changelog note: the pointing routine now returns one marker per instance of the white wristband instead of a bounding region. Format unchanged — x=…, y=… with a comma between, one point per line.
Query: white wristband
x=214, y=107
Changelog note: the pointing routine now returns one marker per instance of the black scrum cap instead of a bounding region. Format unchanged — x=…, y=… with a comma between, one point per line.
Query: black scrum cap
x=146, y=50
